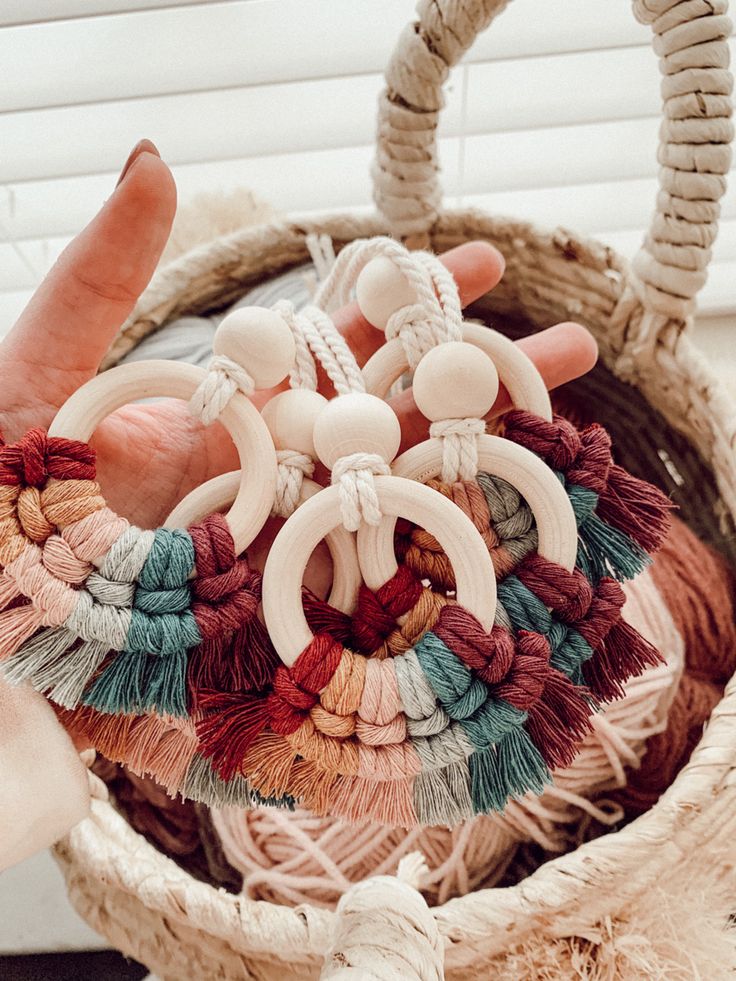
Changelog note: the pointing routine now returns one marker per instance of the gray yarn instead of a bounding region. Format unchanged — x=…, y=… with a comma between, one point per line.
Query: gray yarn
x=512, y=517
x=204, y=785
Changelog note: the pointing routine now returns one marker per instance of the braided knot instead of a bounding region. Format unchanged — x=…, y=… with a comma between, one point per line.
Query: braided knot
x=224, y=378
x=424, y=717
x=296, y=689
x=488, y=654
x=567, y=593
x=583, y=457
x=293, y=467
x=162, y=622
x=225, y=591
x=459, y=439
x=114, y=583
x=421, y=551
x=29, y=515
x=335, y=713
x=37, y=456
x=512, y=523
x=380, y=721
x=459, y=693
x=353, y=474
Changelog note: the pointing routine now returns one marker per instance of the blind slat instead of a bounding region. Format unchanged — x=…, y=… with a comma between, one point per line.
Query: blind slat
x=199, y=47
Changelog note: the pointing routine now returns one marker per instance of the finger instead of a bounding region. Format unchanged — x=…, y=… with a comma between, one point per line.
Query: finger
x=560, y=353
x=476, y=266
x=76, y=312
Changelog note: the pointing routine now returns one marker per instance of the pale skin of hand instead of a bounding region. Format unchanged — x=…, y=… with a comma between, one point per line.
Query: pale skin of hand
x=150, y=456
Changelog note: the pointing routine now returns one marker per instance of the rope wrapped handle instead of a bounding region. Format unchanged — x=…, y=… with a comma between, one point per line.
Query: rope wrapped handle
x=691, y=41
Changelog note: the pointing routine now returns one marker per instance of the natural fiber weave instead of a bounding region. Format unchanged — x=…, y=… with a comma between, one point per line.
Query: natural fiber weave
x=640, y=316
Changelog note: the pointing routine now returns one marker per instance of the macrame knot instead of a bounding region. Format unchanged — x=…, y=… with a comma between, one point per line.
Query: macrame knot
x=567, y=593
x=162, y=622
x=459, y=693
x=335, y=713
x=557, y=442
x=489, y=654
x=376, y=612
x=293, y=467
x=296, y=689
x=381, y=721
x=226, y=591
x=524, y=684
x=38, y=456
x=224, y=378
x=417, y=330
x=353, y=475
x=459, y=447
x=604, y=612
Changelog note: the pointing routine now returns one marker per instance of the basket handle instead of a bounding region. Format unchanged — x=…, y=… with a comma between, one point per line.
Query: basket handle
x=690, y=39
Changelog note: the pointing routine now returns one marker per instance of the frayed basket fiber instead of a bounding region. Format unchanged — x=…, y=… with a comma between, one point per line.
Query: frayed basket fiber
x=630, y=904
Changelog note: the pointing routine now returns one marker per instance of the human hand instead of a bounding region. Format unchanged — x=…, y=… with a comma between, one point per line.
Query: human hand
x=150, y=456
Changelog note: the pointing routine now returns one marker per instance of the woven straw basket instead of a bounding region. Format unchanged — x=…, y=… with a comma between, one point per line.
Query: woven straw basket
x=670, y=420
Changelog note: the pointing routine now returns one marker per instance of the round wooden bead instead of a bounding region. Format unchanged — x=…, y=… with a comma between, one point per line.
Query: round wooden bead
x=455, y=381
x=356, y=423
x=259, y=340
x=382, y=289
x=290, y=417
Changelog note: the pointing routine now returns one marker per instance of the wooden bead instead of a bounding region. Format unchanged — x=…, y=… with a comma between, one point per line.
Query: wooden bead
x=259, y=340
x=455, y=381
x=356, y=423
x=381, y=290
x=290, y=417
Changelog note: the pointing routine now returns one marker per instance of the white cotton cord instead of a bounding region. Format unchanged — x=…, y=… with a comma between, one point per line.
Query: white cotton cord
x=435, y=317
x=332, y=351
x=224, y=378
x=353, y=475
x=384, y=931
x=321, y=252
x=317, y=340
x=459, y=438
x=292, y=468
x=304, y=372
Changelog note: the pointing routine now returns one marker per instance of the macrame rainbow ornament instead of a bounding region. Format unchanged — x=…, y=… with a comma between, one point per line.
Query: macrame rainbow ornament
x=470, y=713
x=141, y=631
x=621, y=519
x=396, y=701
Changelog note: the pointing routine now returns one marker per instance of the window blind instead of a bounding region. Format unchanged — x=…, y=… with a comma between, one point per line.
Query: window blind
x=552, y=117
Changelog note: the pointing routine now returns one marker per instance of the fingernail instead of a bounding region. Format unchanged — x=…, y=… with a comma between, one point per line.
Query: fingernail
x=142, y=146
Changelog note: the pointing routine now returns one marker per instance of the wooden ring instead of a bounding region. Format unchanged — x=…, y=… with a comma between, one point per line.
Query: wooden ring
x=220, y=492
x=524, y=470
x=317, y=517
x=92, y=403
x=515, y=370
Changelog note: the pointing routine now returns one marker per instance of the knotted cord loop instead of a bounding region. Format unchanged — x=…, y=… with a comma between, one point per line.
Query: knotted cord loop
x=354, y=474
x=293, y=467
x=224, y=378
x=459, y=447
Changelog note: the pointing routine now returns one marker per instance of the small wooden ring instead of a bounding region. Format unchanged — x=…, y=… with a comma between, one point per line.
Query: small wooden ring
x=220, y=492
x=88, y=406
x=317, y=517
x=516, y=371
x=524, y=470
